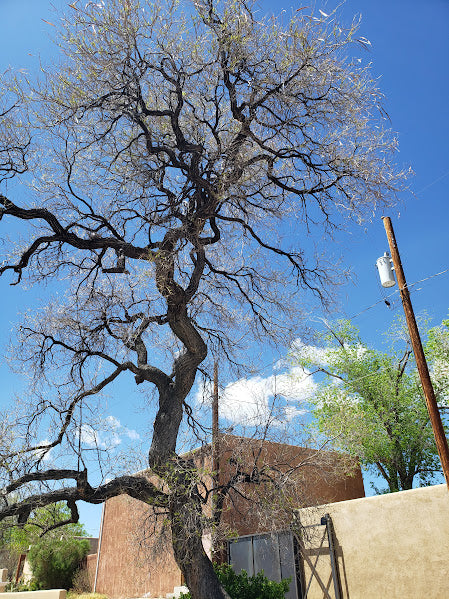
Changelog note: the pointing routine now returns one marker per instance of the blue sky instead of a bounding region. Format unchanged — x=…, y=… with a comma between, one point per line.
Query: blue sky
x=409, y=53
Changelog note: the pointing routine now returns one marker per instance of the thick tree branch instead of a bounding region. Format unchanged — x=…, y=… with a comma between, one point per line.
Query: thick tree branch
x=138, y=487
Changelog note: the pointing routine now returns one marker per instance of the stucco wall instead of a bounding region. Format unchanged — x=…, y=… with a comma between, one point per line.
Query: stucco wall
x=392, y=546
x=91, y=567
x=136, y=558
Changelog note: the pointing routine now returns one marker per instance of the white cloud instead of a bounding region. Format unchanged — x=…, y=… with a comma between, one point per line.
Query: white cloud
x=320, y=355
x=98, y=438
x=291, y=412
x=132, y=434
x=250, y=401
x=112, y=421
x=88, y=436
x=317, y=355
x=246, y=401
x=108, y=434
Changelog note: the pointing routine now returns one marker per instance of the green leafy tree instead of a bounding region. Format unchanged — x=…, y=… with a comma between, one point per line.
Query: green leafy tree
x=437, y=349
x=371, y=404
x=42, y=529
x=44, y=523
x=55, y=561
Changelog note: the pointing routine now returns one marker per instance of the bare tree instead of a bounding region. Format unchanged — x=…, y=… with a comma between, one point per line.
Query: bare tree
x=178, y=158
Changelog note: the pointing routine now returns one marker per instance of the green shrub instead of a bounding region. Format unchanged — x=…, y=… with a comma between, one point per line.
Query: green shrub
x=13, y=587
x=242, y=586
x=54, y=562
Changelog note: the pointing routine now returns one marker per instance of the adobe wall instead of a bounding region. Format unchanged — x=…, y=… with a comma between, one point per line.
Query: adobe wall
x=391, y=546
x=136, y=558
x=91, y=567
x=316, y=478
x=320, y=474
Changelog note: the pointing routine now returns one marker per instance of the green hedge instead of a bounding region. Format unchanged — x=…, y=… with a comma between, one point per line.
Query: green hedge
x=54, y=562
x=242, y=586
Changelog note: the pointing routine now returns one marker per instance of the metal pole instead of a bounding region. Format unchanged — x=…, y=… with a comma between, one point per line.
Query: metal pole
x=432, y=407
x=103, y=510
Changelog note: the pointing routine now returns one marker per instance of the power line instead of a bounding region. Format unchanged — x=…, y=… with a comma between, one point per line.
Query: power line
x=396, y=292
x=271, y=363
x=433, y=182
x=382, y=300
x=427, y=278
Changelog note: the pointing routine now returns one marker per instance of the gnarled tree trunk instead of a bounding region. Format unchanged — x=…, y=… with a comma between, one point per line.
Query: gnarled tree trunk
x=186, y=519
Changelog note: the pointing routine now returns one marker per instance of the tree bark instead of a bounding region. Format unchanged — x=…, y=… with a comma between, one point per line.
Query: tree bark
x=186, y=526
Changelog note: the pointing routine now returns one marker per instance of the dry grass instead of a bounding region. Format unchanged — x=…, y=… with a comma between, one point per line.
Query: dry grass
x=74, y=595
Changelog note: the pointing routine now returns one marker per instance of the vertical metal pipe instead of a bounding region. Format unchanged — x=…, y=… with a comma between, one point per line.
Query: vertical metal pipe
x=432, y=406
x=99, y=547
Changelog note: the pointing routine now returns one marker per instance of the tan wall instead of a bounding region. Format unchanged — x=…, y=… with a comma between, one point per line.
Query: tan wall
x=51, y=594
x=136, y=558
x=91, y=567
x=393, y=546
x=3, y=579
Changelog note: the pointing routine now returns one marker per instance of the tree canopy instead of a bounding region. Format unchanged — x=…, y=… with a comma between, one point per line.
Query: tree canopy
x=372, y=404
x=44, y=532
x=180, y=161
x=46, y=521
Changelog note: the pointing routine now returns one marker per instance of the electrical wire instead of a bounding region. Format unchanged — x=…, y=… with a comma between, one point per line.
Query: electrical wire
x=427, y=278
x=382, y=300
x=409, y=286
x=433, y=182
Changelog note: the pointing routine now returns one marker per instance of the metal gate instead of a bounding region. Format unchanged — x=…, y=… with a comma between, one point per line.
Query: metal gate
x=311, y=548
x=273, y=553
x=285, y=554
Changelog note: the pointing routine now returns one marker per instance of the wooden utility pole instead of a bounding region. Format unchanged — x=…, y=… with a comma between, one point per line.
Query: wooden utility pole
x=432, y=407
x=215, y=435
x=215, y=458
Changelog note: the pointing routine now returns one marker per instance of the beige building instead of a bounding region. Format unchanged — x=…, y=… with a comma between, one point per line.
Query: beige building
x=393, y=546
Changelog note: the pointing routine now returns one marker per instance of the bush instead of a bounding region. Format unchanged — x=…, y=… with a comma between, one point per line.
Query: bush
x=54, y=562
x=13, y=587
x=81, y=583
x=242, y=586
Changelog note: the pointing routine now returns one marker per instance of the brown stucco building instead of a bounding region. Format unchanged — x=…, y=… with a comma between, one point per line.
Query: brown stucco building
x=135, y=557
